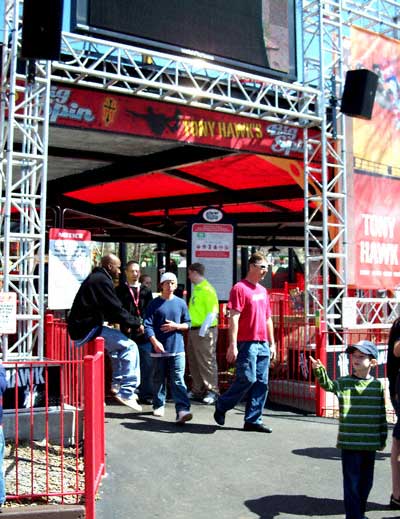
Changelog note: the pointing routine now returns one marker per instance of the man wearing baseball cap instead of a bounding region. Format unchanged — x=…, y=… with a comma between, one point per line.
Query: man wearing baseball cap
x=362, y=423
x=167, y=317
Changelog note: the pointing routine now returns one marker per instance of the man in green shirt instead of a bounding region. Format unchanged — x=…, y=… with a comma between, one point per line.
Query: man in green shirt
x=202, y=338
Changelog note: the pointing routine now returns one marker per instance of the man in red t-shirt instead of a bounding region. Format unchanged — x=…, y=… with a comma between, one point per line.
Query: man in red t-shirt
x=251, y=345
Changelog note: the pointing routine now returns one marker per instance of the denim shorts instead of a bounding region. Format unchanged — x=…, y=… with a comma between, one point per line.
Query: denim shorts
x=396, y=406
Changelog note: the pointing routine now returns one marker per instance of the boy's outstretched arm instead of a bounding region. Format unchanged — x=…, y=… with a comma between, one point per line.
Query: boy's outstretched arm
x=322, y=376
x=316, y=363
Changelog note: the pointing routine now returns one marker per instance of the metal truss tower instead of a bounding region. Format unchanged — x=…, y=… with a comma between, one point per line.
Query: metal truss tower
x=23, y=162
x=324, y=26
x=324, y=164
x=119, y=68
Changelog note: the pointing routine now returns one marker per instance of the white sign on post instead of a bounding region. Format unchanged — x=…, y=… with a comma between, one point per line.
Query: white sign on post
x=69, y=264
x=349, y=312
x=8, y=312
x=213, y=246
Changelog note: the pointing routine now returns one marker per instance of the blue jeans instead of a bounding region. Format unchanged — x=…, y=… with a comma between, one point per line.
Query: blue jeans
x=2, y=483
x=252, y=366
x=358, y=476
x=174, y=367
x=124, y=360
x=146, y=370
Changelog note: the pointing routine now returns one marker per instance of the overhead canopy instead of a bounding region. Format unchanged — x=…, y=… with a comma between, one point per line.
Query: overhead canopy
x=139, y=174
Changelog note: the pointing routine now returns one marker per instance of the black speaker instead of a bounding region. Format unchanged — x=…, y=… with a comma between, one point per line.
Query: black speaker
x=41, y=29
x=359, y=93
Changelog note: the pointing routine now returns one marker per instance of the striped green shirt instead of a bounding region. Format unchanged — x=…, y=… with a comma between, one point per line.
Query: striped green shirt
x=362, y=413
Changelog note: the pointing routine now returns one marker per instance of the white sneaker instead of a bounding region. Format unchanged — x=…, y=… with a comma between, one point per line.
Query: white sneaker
x=159, y=411
x=130, y=402
x=184, y=416
x=210, y=398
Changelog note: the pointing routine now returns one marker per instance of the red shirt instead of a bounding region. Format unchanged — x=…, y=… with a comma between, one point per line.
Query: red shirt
x=252, y=302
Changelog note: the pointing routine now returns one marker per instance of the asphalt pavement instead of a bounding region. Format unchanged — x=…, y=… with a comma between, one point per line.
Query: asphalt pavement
x=156, y=469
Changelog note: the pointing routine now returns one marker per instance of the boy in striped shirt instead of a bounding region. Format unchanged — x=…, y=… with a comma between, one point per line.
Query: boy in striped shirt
x=362, y=423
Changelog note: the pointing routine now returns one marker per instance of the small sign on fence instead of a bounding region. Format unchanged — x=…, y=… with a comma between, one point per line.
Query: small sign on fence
x=32, y=386
x=8, y=312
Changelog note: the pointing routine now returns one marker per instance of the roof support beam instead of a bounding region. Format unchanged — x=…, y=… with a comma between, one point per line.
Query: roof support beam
x=128, y=167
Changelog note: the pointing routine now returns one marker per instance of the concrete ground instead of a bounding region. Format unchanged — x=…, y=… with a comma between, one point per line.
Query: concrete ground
x=156, y=469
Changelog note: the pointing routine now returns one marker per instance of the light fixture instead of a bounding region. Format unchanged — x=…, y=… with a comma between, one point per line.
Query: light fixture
x=274, y=249
x=160, y=249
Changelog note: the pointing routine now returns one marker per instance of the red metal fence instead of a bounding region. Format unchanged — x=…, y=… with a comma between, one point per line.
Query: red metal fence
x=331, y=352
x=291, y=378
x=73, y=382
x=54, y=423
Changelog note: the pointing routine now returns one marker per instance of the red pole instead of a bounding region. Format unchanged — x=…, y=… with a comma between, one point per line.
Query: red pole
x=90, y=451
x=49, y=335
x=99, y=348
x=94, y=456
x=281, y=346
x=320, y=353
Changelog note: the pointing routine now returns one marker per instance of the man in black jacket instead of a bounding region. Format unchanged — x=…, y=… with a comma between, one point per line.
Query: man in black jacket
x=95, y=304
x=135, y=298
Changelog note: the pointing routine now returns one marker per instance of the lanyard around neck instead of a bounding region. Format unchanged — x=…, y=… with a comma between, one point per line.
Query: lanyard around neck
x=135, y=298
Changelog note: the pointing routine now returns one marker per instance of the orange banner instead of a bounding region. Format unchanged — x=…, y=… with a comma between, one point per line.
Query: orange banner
x=378, y=140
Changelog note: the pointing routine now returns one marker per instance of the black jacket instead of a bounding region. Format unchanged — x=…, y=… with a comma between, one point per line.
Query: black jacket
x=145, y=298
x=393, y=363
x=95, y=302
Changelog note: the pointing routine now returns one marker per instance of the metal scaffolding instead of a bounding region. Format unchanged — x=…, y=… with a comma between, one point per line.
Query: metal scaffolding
x=324, y=26
x=325, y=179
x=24, y=116
x=120, y=68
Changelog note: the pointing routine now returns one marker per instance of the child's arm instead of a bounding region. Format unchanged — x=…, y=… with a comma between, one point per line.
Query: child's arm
x=322, y=376
x=316, y=363
x=3, y=380
x=384, y=426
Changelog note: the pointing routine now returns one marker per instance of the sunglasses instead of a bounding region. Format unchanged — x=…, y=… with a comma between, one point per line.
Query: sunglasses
x=262, y=267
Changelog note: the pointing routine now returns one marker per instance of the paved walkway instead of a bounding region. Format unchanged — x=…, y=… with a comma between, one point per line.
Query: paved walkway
x=156, y=469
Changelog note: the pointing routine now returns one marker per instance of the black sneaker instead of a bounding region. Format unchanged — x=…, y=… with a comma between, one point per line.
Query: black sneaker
x=219, y=417
x=258, y=427
x=394, y=503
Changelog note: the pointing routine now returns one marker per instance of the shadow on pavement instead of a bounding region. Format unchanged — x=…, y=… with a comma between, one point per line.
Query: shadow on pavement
x=330, y=453
x=147, y=422
x=269, y=507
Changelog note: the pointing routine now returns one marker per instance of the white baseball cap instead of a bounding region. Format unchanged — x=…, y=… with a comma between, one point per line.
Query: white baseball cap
x=168, y=276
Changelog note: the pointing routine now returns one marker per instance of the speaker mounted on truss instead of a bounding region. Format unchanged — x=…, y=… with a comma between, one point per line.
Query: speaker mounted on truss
x=41, y=29
x=359, y=93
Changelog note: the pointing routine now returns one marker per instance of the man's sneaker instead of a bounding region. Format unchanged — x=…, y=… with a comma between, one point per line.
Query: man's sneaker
x=210, y=398
x=394, y=503
x=258, y=427
x=146, y=401
x=219, y=417
x=184, y=416
x=159, y=411
x=130, y=402
x=115, y=388
x=193, y=396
